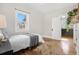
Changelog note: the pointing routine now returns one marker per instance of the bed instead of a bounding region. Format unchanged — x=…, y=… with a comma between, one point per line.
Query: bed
x=19, y=42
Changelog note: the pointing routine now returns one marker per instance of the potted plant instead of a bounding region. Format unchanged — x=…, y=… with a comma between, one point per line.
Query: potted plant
x=70, y=14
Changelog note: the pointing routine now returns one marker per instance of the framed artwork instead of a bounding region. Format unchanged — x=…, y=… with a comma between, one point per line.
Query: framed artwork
x=22, y=21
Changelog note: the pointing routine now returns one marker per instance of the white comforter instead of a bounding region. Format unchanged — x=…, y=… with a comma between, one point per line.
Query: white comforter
x=19, y=42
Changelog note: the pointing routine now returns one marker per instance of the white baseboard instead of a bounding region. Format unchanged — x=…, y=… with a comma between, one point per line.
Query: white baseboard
x=46, y=36
x=50, y=37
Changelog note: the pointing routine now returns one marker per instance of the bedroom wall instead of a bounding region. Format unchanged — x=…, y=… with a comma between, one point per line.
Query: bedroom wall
x=9, y=11
x=48, y=19
x=39, y=23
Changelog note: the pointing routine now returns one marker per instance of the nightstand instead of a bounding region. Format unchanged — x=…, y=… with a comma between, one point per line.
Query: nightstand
x=5, y=48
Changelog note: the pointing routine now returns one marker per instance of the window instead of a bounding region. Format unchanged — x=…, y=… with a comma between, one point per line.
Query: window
x=21, y=17
x=22, y=21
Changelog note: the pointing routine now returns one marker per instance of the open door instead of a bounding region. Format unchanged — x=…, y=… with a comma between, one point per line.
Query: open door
x=56, y=28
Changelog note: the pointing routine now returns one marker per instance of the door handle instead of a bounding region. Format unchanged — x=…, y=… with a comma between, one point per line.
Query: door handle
x=52, y=29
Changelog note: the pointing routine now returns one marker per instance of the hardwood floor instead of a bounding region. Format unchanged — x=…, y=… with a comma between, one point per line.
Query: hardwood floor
x=51, y=47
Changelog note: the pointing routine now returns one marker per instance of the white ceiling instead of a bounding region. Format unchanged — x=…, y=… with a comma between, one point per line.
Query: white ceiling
x=49, y=7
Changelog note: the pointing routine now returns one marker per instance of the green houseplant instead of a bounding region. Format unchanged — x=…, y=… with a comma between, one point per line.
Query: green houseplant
x=69, y=18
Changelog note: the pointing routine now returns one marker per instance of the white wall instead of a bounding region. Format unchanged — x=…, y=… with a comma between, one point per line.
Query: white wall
x=9, y=11
x=39, y=23
x=49, y=16
x=47, y=25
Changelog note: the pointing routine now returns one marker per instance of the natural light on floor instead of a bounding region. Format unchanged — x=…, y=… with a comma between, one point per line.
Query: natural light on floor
x=65, y=45
x=66, y=39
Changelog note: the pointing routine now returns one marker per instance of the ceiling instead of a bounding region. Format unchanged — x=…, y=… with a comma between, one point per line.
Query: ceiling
x=49, y=7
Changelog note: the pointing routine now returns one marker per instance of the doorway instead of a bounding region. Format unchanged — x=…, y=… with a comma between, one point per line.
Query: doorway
x=66, y=34
x=59, y=30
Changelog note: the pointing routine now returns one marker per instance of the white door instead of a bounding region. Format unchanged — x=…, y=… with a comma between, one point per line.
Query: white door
x=56, y=28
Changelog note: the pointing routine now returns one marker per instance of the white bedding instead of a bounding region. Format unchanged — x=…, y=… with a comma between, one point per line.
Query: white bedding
x=19, y=42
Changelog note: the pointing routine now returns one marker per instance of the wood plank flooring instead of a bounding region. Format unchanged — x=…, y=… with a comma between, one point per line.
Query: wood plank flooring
x=51, y=47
